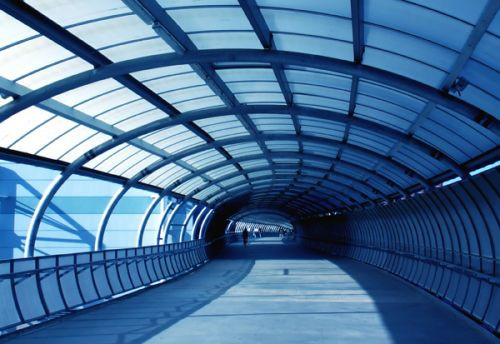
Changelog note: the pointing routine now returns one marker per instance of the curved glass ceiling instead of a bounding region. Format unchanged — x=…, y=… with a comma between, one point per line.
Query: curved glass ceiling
x=302, y=106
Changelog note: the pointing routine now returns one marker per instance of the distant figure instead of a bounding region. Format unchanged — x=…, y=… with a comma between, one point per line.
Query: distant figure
x=257, y=233
x=245, y=237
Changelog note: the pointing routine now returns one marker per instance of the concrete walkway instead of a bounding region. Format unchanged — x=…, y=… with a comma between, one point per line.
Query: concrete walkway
x=271, y=292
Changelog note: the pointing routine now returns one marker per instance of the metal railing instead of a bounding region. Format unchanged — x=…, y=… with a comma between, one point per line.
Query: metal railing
x=37, y=289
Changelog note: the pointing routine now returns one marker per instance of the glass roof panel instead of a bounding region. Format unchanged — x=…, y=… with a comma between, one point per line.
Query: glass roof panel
x=85, y=144
x=282, y=146
x=81, y=94
x=232, y=181
x=189, y=186
x=188, y=93
x=196, y=19
x=199, y=104
x=140, y=120
x=17, y=31
x=31, y=55
x=254, y=163
x=222, y=171
x=134, y=162
x=261, y=98
x=308, y=24
x=128, y=110
x=431, y=25
x=207, y=192
x=243, y=149
x=165, y=175
x=204, y=158
x=149, y=46
x=55, y=72
x=253, y=175
x=107, y=101
x=69, y=12
x=254, y=87
x=222, y=127
x=65, y=142
x=226, y=40
x=273, y=123
x=118, y=30
x=313, y=45
x=171, y=82
x=340, y=105
x=21, y=124
x=43, y=135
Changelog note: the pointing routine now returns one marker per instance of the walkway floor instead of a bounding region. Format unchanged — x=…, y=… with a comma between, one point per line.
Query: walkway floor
x=271, y=292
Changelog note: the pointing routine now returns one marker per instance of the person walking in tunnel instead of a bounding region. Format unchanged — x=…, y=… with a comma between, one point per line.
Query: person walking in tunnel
x=245, y=237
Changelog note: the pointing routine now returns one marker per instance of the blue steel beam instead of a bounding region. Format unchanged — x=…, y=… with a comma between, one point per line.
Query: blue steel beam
x=172, y=33
x=328, y=173
x=205, y=223
x=163, y=217
x=311, y=181
x=313, y=139
x=308, y=206
x=185, y=223
x=145, y=218
x=484, y=21
x=468, y=111
x=164, y=235
x=197, y=222
x=333, y=193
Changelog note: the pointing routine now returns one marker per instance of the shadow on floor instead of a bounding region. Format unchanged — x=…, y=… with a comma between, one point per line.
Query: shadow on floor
x=271, y=291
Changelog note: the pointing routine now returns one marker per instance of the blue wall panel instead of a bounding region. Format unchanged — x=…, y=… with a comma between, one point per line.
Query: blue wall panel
x=70, y=223
x=445, y=241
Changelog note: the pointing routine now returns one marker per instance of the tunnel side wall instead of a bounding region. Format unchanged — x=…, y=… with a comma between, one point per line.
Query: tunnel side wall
x=446, y=241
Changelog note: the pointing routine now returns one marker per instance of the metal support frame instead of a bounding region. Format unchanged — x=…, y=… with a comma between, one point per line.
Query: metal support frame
x=197, y=222
x=315, y=180
x=228, y=227
x=103, y=222
x=164, y=237
x=205, y=223
x=147, y=214
x=313, y=157
x=359, y=183
x=162, y=220
x=467, y=110
x=186, y=221
x=335, y=194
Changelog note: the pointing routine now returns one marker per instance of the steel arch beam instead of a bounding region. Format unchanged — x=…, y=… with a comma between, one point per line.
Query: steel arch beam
x=281, y=155
x=246, y=55
x=248, y=190
x=315, y=179
x=205, y=223
x=169, y=221
x=147, y=214
x=327, y=172
x=335, y=193
x=248, y=212
x=185, y=222
x=162, y=220
x=125, y=137
x=103, y=222
x=197, y=222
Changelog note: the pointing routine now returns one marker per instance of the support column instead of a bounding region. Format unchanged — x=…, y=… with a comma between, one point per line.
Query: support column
x=186, y=221
x=205, y=223
x=169, y=221
x=145, y=218
x=117, y=196
x=197, y=222
x=162, y=220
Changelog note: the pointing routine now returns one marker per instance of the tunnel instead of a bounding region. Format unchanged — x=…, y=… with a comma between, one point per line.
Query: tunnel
x=249, y=171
